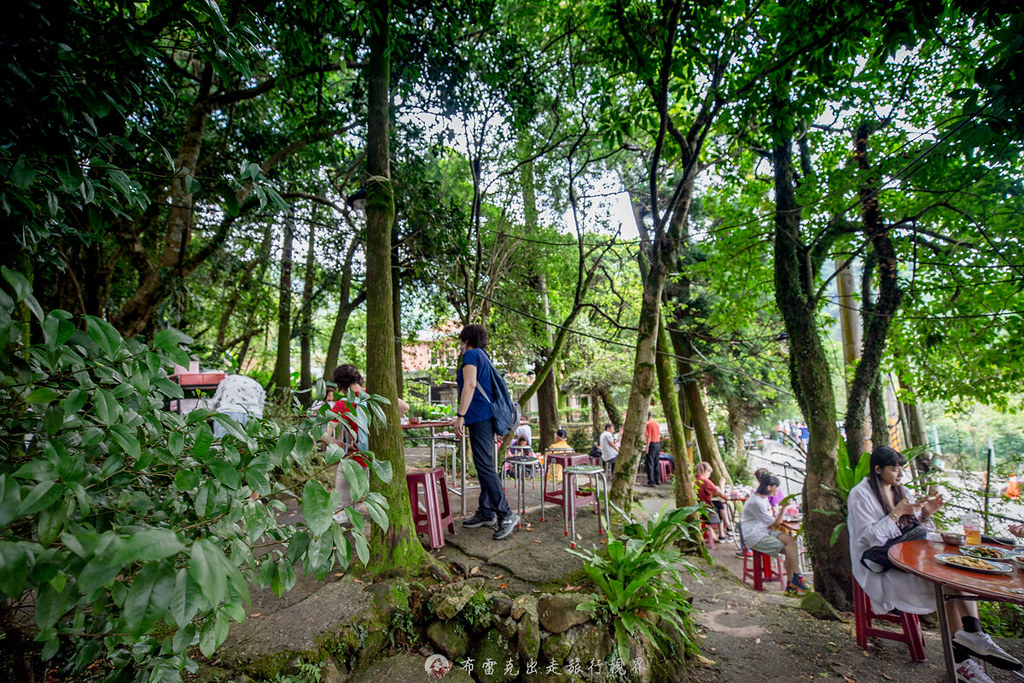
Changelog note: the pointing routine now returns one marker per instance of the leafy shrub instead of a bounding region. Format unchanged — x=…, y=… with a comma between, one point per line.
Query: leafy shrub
x=130, y=528
x=638, y=577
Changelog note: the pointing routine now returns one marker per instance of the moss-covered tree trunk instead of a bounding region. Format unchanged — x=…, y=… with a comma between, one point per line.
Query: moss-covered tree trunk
x=547, y=406
x=795, y=292
x=737, y=426
x=612, y=410
x=641, y=389
x=282, y=367
x=306, y=325
x=707, y=444
x=398, y=548
x=878, y=314
x=683, y=479
x=346, y=304
x=595, y=414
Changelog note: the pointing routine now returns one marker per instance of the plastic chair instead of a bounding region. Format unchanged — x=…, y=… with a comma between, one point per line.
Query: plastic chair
x=758, y=566
x=430, y=513
x=910, y=626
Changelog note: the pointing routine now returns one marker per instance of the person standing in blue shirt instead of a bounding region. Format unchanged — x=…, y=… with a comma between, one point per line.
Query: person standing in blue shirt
x=475, y=416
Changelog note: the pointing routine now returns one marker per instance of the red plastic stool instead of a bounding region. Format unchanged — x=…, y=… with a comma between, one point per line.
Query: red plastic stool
x=664, y=471
x=431, y=513
x=910, y=626
x=758, y=566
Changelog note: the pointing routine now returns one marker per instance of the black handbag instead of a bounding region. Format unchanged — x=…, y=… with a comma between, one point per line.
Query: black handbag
x=879, y=554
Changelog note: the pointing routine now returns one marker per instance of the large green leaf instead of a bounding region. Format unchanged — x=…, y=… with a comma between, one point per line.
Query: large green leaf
x=208, y=570
x=318, y=507
x=148, y=598
x=10, y=499
x=148, y=546
x=13, y=569
x=42, y=495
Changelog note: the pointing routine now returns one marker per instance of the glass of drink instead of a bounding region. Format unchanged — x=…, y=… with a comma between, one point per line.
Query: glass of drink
x=972, y=529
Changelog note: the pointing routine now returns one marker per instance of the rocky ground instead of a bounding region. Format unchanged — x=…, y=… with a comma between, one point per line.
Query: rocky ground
x=744, y=635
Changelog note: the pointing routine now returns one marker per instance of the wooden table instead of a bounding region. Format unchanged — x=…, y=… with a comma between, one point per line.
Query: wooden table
x=918, y=558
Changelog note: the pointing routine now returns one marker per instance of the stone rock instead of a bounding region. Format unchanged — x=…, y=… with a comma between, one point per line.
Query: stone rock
x=453, y=597
x=332, y=673
x=261, y=644
x=451, y=638
x=494, y=652
x=593, y=642
x=814, y=603
x=506, y=627
x=500, y=605
x=556, y=647
x=389, y=596
x=558, y=613
x=406, y=668
x=528, y=635
x=522, y=605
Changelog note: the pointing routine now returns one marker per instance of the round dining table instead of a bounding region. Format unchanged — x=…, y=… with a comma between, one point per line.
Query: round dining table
x=953, y=583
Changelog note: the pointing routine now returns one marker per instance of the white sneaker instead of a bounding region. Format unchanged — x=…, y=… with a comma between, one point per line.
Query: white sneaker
x=969, y=671
x=981, y=644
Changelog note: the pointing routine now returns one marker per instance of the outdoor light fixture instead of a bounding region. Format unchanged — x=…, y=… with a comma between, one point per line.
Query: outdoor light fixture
x=357, y=200
x=783, y=340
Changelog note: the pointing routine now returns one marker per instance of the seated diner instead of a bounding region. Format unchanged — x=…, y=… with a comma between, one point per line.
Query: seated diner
x=759, y=534
x=881, y=509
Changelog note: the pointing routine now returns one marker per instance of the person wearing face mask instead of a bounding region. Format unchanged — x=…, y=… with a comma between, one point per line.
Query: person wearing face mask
x=880, y=509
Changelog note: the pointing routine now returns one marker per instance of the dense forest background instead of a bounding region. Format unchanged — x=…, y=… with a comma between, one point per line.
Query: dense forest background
x=637, y=198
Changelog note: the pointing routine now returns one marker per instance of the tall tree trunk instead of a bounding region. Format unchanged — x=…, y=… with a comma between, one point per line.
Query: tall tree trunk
x=614, y=414
x=696, y=414
x=547, y=392
x=547, y=407
x=345, y=307
x=685, y=491
x=396, y=307
x=795, y=288
x=241, y=282
x=918, y=434
x=737, y=426
x=306, y=326
x=706, y=441
x=258, y=268
x=595, y=414
x=282, y=368
x=136, y=313
x=631, y=448
x=878, y=315
x=397, y=548
x=879, y=416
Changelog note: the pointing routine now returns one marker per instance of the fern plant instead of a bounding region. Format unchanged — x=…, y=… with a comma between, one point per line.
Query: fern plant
x=641, y=594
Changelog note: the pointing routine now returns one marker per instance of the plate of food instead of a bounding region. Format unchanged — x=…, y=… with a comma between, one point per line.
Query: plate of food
x=974, y=564
x=987, y=552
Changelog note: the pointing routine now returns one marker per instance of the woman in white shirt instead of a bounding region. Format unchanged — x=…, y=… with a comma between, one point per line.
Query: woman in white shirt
x=881, y=508
x=758, y=534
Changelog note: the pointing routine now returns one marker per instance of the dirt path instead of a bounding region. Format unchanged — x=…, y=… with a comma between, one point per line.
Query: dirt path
x=751, y=636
